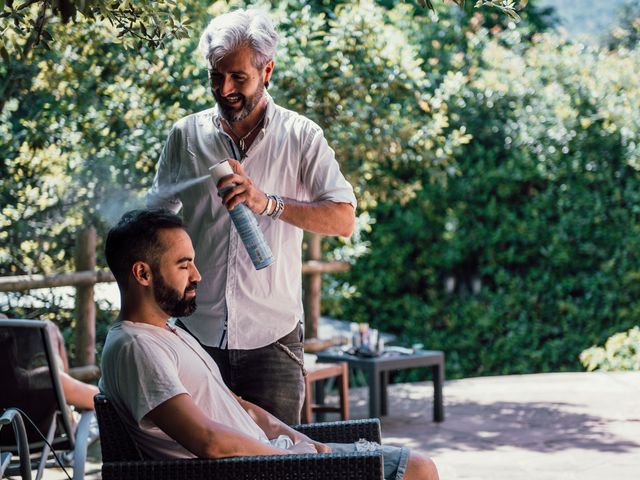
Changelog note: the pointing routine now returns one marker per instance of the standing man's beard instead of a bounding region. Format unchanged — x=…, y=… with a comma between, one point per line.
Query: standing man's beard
x=248, y=104
x=171, y=301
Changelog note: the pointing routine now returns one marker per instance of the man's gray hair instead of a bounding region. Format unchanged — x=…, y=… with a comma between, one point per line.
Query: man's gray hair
x=241, y=28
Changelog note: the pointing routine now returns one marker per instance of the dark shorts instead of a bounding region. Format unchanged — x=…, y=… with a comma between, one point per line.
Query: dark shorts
x=269, y=376
x=395, y=458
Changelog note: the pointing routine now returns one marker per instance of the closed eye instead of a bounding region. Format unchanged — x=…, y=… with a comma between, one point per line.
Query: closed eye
x=184, y=263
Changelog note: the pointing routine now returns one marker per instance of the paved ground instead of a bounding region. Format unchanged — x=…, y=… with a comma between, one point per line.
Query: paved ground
x=550, y=426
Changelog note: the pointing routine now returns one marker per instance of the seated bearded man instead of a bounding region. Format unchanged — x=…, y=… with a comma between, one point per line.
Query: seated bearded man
x=163, y=384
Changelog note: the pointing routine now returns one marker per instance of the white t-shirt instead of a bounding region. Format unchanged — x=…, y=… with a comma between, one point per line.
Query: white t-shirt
x=144, y=365
x=238, y=306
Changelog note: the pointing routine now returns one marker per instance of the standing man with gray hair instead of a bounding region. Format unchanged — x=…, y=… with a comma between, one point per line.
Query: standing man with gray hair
x=285, y=172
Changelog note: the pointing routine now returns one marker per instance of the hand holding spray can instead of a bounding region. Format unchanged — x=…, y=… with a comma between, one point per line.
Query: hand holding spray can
x=245, y=222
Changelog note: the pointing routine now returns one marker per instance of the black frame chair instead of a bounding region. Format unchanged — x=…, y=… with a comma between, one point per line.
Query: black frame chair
x=31, y=386
x=123, y=460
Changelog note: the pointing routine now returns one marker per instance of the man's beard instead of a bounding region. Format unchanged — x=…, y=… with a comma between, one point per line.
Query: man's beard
x=171, y=301
x=248, y=105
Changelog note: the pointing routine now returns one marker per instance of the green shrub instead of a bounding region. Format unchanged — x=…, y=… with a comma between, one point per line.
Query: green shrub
x=620, y=352
x=527, y=252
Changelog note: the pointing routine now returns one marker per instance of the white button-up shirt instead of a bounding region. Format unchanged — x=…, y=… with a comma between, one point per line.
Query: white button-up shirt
x=238, y=306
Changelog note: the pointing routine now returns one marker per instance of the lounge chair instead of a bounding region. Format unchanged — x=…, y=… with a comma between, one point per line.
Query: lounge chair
x=12, y=417
x=31, y=385
x=123, y=460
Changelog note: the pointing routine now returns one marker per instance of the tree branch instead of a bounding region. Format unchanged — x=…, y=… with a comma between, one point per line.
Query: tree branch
x=26, y=4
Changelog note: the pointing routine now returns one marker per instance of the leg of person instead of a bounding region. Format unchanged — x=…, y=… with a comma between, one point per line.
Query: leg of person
x=419, y=467
x=399, y=462
x=77, y=393
x=222, y=358
x=219, y=355
x=272, y=376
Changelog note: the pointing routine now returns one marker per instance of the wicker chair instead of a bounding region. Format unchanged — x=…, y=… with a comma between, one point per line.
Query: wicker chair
x=123, y=460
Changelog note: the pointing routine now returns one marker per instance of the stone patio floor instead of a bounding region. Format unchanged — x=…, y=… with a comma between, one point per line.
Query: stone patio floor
x=547, y=426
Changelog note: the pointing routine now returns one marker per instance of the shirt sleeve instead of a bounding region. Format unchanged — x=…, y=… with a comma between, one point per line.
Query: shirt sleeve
x=147, y=375
x=163, y=192
x=321, y=173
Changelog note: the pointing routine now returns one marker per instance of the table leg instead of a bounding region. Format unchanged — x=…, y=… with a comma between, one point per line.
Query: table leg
x=384, y=397
x=374, y=392
x=318, y=393
x=438, y=403
x=343, y=389
x=307, y=412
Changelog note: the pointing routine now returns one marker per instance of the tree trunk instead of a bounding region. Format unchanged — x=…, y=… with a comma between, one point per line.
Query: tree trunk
x=85, y=345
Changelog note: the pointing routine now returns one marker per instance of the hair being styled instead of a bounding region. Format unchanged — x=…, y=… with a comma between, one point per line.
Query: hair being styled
x=135, y=238
x=241, y=28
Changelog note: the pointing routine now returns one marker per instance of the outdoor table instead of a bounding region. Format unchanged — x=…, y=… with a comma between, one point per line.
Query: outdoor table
x=377, y=371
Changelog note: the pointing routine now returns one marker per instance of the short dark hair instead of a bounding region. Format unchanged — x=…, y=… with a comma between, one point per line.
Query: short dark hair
x=135, y=238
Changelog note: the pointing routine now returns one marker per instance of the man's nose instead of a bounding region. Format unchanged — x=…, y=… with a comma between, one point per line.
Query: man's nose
x=227, y=87
x=195, y=275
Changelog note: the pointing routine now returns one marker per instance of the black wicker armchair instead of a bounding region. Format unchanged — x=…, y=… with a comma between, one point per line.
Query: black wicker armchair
x=123, y=460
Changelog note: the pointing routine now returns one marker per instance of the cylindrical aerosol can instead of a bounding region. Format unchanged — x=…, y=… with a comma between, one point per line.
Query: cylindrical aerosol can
x=245, y=223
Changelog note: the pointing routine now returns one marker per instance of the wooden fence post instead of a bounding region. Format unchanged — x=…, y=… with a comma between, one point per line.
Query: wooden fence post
x=85, y=345
x=312, y=288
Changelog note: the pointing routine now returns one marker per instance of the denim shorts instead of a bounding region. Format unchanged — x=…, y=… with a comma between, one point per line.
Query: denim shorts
x=395, y=458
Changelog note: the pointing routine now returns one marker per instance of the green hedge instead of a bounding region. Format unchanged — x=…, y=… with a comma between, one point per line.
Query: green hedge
x=528, y=252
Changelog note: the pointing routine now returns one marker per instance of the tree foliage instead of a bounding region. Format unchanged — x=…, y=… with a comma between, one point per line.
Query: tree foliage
x=496, y=168
x=146, y=22
x=527, y=251
x=626, y=33
x=82, y=137
x=151, y=22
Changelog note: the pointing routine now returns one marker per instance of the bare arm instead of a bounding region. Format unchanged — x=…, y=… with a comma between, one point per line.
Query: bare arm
x=181, y=419
x=273, y=427
x=77, y=393
x=324, y=217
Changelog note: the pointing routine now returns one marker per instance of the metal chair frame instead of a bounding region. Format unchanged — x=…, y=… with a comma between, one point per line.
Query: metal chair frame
x=12, y=417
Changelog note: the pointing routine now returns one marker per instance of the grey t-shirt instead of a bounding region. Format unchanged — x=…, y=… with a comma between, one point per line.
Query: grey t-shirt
x=144, y=366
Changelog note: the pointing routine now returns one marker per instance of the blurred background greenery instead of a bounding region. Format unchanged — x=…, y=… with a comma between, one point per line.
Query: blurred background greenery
x=496, y=164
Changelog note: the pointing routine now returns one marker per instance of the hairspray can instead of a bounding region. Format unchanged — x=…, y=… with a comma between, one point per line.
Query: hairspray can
x=245, y=223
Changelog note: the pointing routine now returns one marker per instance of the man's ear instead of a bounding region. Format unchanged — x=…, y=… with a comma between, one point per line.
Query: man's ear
x=268, y=70
x=142, y=273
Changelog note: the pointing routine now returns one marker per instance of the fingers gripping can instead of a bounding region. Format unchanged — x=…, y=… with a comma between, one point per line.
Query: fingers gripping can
x=245, y=223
